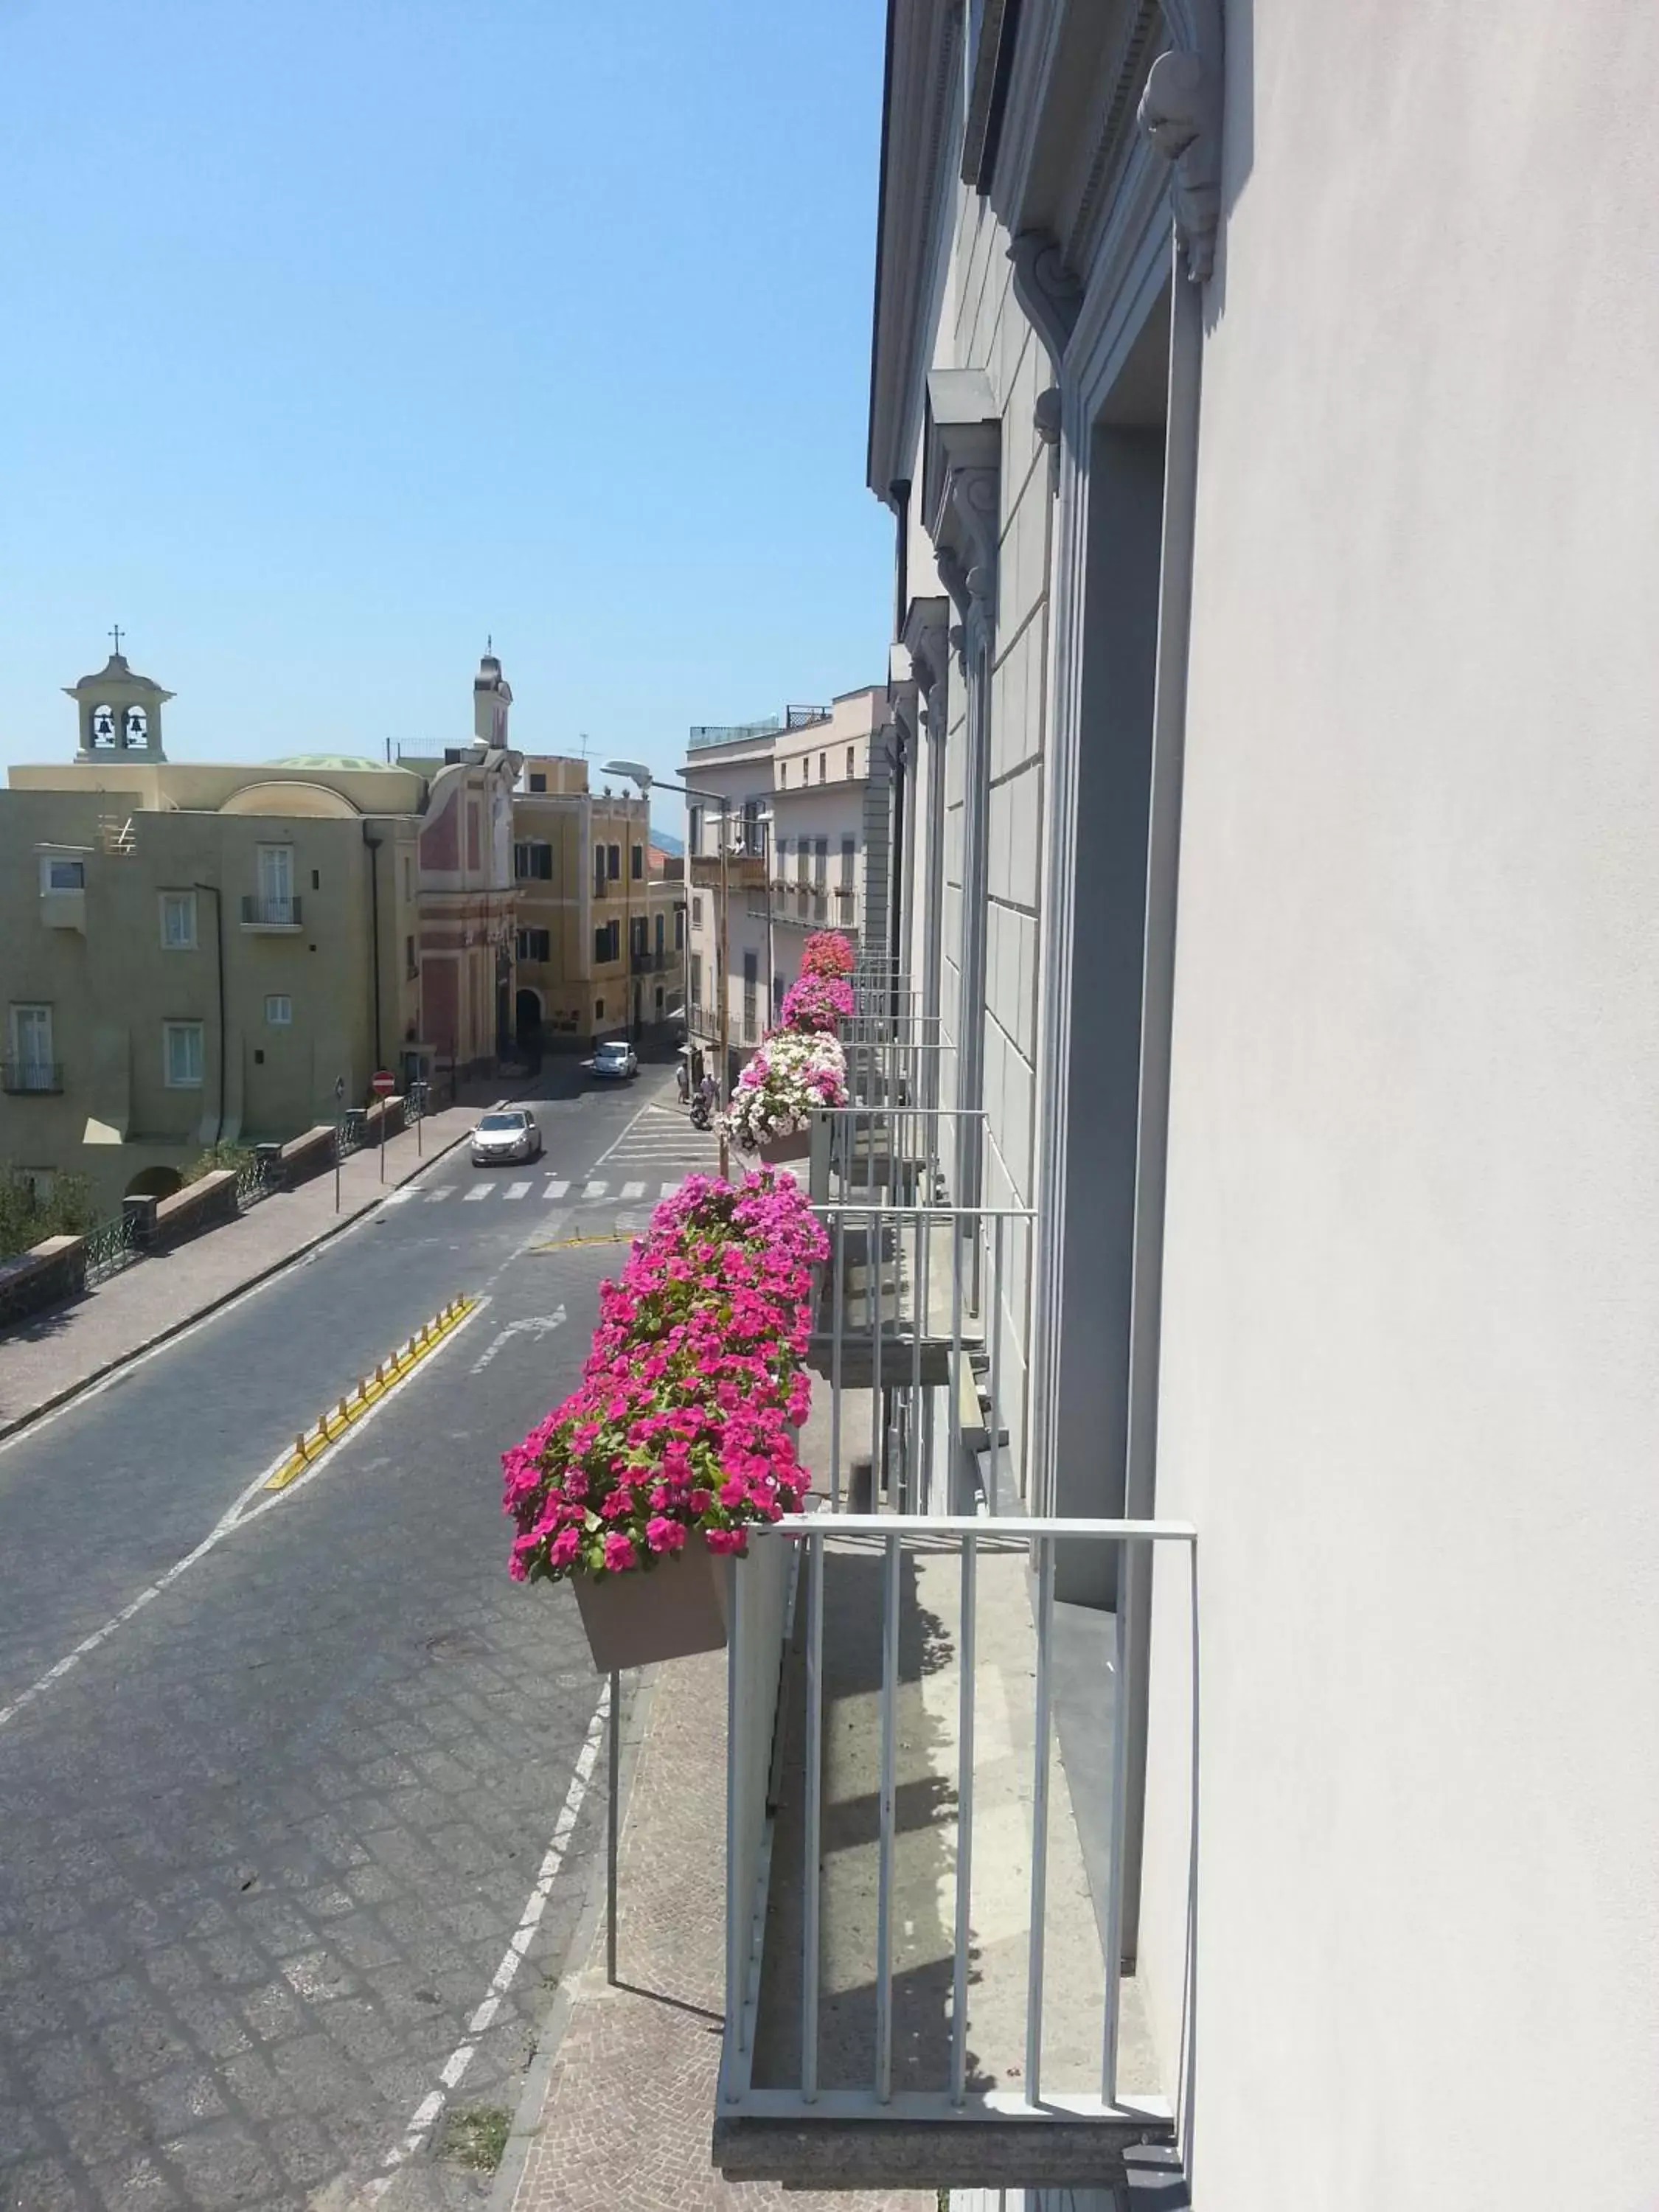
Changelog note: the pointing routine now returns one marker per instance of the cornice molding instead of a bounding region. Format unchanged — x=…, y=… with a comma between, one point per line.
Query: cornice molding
x=1121, y=79
x=1180, y=113
x=917, y=195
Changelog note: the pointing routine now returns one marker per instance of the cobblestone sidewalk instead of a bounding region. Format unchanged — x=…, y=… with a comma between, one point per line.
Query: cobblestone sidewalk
x=46, y=1358
x=629, y=2100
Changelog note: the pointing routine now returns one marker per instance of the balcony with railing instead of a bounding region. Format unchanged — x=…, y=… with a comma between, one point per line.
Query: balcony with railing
x=932, y=1856
x=21, y=1076
x=259, y=912
x=791, y=905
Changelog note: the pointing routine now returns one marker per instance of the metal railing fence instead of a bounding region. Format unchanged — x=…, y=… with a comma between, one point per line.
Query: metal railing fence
x=110, y=1246
x=937, y=2041
x=912, y=1313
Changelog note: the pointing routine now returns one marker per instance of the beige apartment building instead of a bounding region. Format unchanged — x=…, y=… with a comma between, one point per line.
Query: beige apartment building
x=808, y=815
x=193, y=953
x=601, y=917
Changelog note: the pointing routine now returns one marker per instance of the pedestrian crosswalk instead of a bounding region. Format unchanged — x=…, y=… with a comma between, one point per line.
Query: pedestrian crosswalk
x=593, y=1191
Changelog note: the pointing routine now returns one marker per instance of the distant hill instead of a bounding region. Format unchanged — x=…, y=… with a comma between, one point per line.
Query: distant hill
x=666, y=841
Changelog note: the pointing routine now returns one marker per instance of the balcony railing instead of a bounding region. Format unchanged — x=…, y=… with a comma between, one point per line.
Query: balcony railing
x=925, y=1940
x=914, y=1327
x=258, y=913
x=652, y=963
x=19, y=1076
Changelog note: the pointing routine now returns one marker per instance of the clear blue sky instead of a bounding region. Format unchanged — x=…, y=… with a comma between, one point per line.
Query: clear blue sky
x=335, y=337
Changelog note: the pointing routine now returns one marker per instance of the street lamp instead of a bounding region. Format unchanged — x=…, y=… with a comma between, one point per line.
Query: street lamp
x=638, y=772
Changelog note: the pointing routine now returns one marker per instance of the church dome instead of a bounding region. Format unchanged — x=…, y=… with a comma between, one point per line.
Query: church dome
x=115, y=671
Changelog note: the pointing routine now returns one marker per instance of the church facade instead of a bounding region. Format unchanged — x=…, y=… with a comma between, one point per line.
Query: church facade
x=200, y=953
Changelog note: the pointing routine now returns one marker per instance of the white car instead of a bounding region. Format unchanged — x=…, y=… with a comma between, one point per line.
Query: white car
x=505, y=1133
x=615, y=1059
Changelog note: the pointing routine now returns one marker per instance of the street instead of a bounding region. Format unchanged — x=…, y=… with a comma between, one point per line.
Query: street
x=294, y=1782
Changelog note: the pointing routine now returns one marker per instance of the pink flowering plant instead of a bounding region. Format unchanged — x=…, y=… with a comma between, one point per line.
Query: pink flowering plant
x=817, y=1002
x=684, y=1426
x=826, y=952
x=790, y=1075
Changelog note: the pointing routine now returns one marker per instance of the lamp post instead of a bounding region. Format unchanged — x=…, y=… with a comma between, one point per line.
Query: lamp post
x=638, y=772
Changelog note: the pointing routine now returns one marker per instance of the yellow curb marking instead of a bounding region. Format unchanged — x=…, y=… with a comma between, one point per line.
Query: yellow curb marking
x=388, y=1373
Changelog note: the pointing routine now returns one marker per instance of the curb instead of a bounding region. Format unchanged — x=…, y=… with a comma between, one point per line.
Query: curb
x=38, y=1412
x=550, y=2032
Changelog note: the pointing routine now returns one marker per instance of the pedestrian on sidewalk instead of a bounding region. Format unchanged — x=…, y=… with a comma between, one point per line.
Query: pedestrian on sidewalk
x=682, y=1077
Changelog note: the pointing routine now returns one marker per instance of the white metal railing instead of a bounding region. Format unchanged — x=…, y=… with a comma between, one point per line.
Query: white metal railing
x=903, y=1152
x=914, y=1302
x=901, y=1062
x=996, y=2000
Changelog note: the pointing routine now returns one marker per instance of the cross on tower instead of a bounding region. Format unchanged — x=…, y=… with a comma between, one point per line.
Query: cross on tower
x=116, y=634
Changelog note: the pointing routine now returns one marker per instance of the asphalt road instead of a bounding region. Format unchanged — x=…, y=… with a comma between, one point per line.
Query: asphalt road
x=291, y=1849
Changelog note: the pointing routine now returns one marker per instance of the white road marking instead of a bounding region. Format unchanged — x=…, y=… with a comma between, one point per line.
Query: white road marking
x=445, y=1190
x=515, y=1190
x=536, y=1325
x=473, y=1196
x=240, y=1513
x=633, y=1190
x=421, y=2119
x=398, y=1197
x=595, y=1190
x=650, y=1107
x=556, y=1190
x=669, y=1188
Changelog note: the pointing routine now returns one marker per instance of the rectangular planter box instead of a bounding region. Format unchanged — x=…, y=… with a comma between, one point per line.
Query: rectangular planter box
x=787, y=1148
x=667, y=1611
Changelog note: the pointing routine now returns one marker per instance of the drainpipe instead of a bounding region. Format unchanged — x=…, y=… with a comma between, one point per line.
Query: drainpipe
x=373, y=845
x=219, y=947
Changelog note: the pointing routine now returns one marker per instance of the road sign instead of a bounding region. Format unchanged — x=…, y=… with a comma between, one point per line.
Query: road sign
x=383, y=1082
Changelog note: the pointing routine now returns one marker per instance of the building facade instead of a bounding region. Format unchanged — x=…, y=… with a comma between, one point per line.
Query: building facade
x=196, y=953
x=1278, y=781
x=601, y=923
x=807, y=815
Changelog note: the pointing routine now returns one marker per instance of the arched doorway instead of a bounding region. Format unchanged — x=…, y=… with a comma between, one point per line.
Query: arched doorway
x=156, y=1182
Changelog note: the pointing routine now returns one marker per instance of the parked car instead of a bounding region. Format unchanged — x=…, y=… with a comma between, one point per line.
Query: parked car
x=505, y=1133
x=615, y=1059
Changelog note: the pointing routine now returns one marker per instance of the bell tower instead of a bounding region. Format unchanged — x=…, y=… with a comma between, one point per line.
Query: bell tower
x=492, y=698
x=120, y=712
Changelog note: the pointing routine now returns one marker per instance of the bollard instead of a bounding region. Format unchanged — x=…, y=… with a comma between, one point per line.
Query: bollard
x=299, y=1445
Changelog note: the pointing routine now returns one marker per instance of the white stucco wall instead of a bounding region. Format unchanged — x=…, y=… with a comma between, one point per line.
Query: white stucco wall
x=1411, y=1341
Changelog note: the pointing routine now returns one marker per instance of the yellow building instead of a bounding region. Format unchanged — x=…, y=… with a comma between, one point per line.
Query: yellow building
x=601, y=923
x=193, y=952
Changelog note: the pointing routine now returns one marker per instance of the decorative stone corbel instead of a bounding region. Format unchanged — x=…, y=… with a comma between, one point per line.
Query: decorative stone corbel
x=1046, y=414
x=954, y=576
x=1179, y=112
x=1046, y=289
x=925, y=635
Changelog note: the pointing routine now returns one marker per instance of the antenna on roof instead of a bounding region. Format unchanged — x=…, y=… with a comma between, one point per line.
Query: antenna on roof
x=583, y=743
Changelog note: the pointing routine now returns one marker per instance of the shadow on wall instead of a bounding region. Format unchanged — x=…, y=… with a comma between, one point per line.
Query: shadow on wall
x=925, y=1805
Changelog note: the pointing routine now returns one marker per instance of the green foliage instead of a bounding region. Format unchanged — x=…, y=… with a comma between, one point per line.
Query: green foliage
x=26, y=1219
x=476, y=2136
x=233, y=1156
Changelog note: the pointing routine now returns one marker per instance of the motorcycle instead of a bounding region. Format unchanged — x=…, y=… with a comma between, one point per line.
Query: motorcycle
x=701, y=1116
